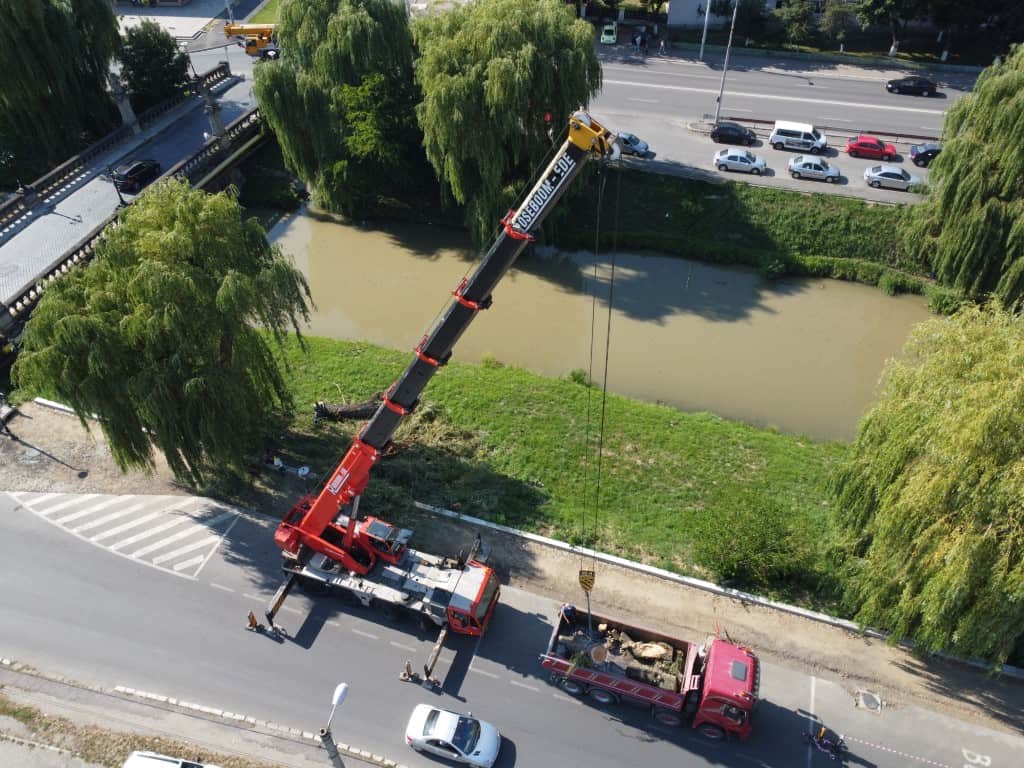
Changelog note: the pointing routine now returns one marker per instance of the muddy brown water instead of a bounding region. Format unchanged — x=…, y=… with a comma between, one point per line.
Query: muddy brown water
x=801, y=355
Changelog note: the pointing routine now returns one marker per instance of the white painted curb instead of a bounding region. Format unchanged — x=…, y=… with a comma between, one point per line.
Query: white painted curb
x=746, y=597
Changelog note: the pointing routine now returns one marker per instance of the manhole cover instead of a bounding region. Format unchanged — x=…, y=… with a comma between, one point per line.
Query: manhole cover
x=869, y=701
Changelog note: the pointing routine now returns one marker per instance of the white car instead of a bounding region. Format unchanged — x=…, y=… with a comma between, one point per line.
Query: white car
x=890, y=177
x=631, y=145
x=461, y=738
x=734, y=159
x=803, y=167
x=154, y=760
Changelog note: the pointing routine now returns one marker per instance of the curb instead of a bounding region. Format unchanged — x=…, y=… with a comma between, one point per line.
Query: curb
x=708, y=586
x=704, y=128
x=234, y=718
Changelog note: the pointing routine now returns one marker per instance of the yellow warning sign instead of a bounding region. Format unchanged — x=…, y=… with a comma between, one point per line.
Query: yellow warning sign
x=587, y=580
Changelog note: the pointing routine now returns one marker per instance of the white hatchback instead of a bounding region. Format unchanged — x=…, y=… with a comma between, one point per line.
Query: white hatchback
x=462, y=738
x=734, y=159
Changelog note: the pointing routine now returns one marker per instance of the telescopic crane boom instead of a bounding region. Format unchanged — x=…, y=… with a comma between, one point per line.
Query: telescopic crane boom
x=328, y=524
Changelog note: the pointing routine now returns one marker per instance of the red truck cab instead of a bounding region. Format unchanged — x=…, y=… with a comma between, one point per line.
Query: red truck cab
x=729, y=693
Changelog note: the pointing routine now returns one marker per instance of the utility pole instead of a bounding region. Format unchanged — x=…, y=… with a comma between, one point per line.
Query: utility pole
x=703, y=37
x=725, y=66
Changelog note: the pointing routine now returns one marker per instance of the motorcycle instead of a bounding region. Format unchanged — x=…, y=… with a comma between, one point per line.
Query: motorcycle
x=833, y=746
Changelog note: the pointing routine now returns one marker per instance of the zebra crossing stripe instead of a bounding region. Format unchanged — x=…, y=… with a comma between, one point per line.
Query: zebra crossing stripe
x=107, y=519
x=149, y=532
x=127, y=526
x=187, y=548
x=177, y=537
x=64, y=505
x=189, y=563
x=42, y=499
x=87, y=511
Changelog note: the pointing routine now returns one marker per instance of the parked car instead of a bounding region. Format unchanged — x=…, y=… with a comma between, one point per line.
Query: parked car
x=890, y=177
x=739, y=160
x=800, y=136
x=462, y=738
x=801, y=167
x=154, y=760
x=870, y=147
x=133, y=176
x=922, y=155
x=733, y=133
x=918, y=86
x=631, y=145
x=610, y=34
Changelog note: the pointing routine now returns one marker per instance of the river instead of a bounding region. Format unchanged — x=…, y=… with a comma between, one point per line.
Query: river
x=801, y=355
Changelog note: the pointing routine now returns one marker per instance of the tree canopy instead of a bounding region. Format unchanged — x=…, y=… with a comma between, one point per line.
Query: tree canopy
x=493, y=73
x=154, y=68
x=931, y=498
x=341, y=99
x=972, y=226
x=158, y=336
x=54, y=55
x=892, y=13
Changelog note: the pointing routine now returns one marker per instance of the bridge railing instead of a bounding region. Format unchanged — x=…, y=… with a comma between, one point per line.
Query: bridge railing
x=58, y=177
x=191, y=169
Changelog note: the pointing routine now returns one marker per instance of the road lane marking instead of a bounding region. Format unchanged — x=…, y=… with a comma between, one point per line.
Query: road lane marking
x=216, y=546
x=183, y=550
x=126, y=527
x=517, y=684
x=332, y=623
x=563, y=697
x=734, y=94
x=365, y=634
x=810, y=723
x=646, y=101
x=65, y=505
x=403, y=647
x=290, y=609
x=108, y=518
x=221, y=586
x=149, y=532
x=836, y=119
x=896, y=752
x=42, y=500
x=180, y=535
x=482, y=672
x=189, y=563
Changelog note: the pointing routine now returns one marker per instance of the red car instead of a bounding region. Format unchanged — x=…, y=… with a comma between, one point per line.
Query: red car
x=870, y=147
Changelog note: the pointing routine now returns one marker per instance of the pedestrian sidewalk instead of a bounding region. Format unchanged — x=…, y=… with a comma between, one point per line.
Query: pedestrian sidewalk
x=130, y=721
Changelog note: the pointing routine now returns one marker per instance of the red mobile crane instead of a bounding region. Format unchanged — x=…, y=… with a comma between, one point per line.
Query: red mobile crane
x=325, y=542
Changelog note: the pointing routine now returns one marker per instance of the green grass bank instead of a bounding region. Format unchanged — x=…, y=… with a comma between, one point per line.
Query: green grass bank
x=690, y=492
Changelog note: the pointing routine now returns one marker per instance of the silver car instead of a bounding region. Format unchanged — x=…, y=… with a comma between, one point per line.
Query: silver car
x=734, y=159
x=461, y=738
x=802, y=167
x=632, y=145
x=890, y=177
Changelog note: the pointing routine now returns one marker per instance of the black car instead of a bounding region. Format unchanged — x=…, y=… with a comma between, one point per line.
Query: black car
x=917, y=86
x=733, y=133
x=922, y=154
x=132, y=177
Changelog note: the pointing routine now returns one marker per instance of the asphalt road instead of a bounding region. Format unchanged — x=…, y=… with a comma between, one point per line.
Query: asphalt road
x=113, y=591
x=658, y=98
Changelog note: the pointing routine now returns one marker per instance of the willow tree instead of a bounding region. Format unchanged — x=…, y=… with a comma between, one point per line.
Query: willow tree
x=158, y=336
x=341, y=98
x=931, y=498
x=972, y=226
x=54, y=55
x=493, y=73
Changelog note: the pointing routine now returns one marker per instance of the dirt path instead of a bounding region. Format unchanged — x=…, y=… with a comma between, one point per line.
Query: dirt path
x=51, y=451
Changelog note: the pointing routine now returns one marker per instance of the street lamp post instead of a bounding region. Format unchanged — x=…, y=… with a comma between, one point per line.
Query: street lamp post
x=704, y=36
x=120, y=200
x=725, y=66
x=340, y=692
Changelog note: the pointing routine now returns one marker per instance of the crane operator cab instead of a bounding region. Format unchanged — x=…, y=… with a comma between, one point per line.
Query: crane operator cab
x=388, y=541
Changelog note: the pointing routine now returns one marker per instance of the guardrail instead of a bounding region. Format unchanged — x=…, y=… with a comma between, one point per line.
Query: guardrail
x=215, y=151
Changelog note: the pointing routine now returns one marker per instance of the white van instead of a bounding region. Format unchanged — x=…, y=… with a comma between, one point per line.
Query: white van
x=153, y=760
x=801, y=136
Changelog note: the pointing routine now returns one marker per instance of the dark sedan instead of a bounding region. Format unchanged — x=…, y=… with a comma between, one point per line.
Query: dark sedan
x=916, y=86
x=923, y=154
x=132, y=177
x=733, y=133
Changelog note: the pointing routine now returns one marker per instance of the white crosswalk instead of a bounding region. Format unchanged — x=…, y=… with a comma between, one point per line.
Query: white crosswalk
x=176, y=534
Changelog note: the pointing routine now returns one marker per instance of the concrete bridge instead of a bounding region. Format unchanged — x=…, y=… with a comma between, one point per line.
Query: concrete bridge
x=53, y=225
